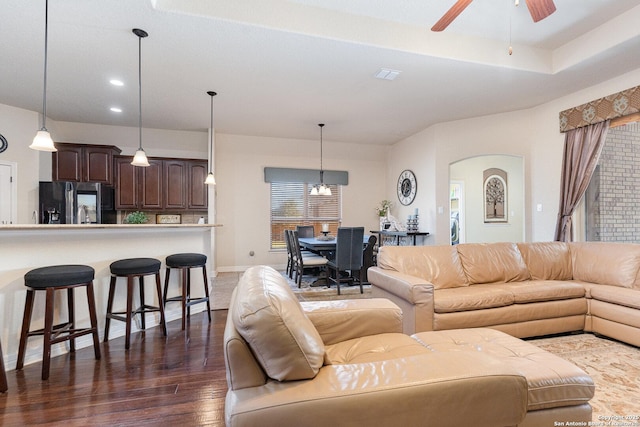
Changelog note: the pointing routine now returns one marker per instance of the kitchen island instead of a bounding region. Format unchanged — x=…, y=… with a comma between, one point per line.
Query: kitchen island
x=24, y=247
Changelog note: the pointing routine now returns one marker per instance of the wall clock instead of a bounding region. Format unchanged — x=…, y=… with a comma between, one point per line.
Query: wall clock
x=3, y=143
x=407, y=187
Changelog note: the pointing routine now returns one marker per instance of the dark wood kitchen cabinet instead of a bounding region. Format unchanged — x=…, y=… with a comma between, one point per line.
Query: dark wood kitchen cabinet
x=198, y=191
x=83, y=162
x=175, y=184
x=167, y=184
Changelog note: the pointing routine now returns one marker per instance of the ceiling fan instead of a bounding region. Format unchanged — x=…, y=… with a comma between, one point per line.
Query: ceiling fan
x=539, y=9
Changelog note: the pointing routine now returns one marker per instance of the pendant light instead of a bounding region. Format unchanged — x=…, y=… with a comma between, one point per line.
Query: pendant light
x=320, y=190
x=140, y=158
x=42, y=140
x=211, y=180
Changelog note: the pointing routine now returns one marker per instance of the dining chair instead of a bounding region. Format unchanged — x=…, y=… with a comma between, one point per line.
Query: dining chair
x=368, y=258
x=305, y=231
x=348, y=258
x=302, y=260
x=290, y=254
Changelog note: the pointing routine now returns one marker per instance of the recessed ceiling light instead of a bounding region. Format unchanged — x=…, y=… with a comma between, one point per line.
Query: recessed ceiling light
x=116, y=82
x=387, y=74
x=116, y=109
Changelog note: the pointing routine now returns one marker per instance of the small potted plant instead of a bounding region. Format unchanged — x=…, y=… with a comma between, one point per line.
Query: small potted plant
x=136, y=218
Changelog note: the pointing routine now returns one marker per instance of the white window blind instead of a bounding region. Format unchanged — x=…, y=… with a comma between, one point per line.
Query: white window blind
x=291, y=205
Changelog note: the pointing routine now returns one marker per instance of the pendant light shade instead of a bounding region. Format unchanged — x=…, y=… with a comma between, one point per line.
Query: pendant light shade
x=211, y=180
x=42, y=140
x=320, y=190
x=140, y=158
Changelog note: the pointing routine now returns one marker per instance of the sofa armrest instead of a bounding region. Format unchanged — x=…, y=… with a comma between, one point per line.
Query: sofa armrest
x=412, y=294
x=341, y=320
x=408, y=391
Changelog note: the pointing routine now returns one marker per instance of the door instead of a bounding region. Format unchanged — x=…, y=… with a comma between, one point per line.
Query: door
x=8, y=193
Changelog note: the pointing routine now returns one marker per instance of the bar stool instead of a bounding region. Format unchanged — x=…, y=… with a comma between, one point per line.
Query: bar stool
x=132, y=268
x=185, y=262
x=51, y=279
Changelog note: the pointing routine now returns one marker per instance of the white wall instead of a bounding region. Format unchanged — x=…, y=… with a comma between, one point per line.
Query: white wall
x=533, y=134
x=243, y=198
x=19, y=127
x=470, y=172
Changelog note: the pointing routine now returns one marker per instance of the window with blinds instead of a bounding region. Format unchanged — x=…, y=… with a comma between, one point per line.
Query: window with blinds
x=291, y=205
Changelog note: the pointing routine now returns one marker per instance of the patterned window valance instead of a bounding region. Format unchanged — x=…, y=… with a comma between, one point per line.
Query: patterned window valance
x=610, y=107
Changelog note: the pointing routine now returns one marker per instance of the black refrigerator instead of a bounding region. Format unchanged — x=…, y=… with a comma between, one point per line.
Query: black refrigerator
x=64, y=202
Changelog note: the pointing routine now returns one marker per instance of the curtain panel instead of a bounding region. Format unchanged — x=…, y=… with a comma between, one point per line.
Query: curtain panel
x=582, y=148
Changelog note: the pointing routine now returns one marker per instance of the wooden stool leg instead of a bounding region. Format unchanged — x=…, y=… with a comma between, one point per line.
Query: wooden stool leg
x=166, y=285
x=127, y=339
x=107, y=322
x=160, y=305
x=185, y=292
x=206, y=290
x=48, y=326
x=94, y=319
x=72, y=318
x=26, y=322
x=142, y=303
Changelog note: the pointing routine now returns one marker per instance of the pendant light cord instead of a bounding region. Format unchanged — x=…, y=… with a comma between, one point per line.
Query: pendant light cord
x=140, y=91
x=210, y=153
x=46, y=37
x=321, y=170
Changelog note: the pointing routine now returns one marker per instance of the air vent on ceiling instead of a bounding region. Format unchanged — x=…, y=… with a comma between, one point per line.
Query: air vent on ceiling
x=387, y=74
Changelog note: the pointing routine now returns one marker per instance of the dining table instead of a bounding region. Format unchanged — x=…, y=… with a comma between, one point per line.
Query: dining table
x=326, y=246
x=323, y=245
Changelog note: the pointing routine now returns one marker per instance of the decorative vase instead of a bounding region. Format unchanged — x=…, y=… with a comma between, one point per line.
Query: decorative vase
x=383, y=221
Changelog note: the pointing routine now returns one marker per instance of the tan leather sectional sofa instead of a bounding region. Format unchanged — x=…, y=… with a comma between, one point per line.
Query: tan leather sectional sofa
x=523, y=289
x=336, y=363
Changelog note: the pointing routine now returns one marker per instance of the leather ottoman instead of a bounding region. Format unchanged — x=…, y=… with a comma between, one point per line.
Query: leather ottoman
x=557, y=389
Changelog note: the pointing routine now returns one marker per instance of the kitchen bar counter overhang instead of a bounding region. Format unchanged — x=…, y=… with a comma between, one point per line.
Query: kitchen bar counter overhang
x=24, y=247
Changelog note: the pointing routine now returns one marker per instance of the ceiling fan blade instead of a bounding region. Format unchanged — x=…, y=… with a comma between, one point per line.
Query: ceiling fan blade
x=451, y=14
x=540, y=9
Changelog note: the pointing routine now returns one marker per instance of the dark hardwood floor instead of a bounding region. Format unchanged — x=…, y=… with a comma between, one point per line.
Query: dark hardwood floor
x=177, y=380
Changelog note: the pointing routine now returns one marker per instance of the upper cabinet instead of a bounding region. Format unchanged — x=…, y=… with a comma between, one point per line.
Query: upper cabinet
x=83, y=163
x=167, y=184
x=197, y=190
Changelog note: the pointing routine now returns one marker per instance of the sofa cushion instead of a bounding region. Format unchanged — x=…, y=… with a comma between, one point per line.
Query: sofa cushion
x=543, y=290
x=547, y=260
x=267, y=314
x=616, y=295
x=471, y=298
x=552, y=381
x=438, y=265
x=492, y=262
x=614, y=264
x=373, y=348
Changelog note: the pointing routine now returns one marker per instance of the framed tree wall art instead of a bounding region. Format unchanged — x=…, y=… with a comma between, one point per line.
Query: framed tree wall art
x=495, y=195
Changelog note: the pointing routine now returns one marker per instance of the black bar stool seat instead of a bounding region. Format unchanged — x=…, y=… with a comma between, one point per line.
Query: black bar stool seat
x=132, y=268
x=51, y=279
x=185, y=262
